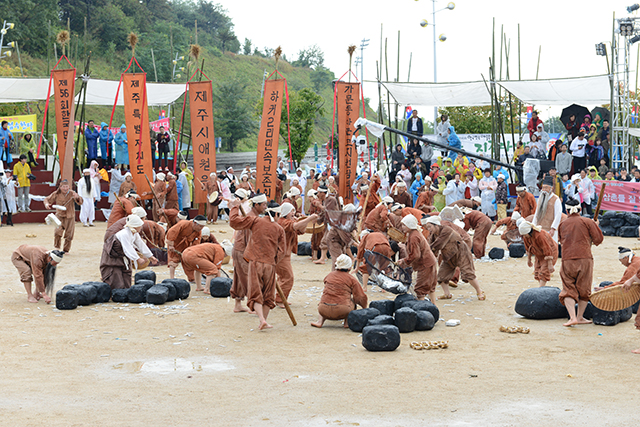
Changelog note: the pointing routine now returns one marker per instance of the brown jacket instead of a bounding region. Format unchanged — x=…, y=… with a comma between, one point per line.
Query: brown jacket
x=58, y=198
x=576, y=235
x=526, y=205
x=419, y=255
x=339, y=287
x=37, y=257
x=267, y=243
x=182, y=235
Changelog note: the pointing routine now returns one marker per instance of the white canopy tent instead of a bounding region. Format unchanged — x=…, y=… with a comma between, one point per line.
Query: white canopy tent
x=579, y=90
x=593, y=90
x=99, y=92
x=444, y=94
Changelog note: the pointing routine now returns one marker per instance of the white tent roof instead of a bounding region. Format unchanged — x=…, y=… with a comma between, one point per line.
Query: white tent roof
x=578, y=90
x=103, y=92
x=444, y=94
x=23, y=90
x=99, y=92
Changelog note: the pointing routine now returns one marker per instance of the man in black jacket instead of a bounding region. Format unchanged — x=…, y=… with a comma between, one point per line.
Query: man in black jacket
x=414, y=124
x=164, y=147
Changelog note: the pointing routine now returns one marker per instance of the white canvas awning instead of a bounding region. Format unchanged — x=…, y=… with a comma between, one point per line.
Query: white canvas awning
x=23, y=90
x=594, y=90
x=440, y=94
x=99, y=92
x=578, y=90
x=103, y=92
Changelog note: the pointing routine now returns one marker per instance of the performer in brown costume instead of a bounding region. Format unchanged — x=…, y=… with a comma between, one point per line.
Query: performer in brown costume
x=511, y=234
x=36, y=263
x=119, y=224
x=121, y=251
x=316, y=201
x=627, y=285
x=401, y=195
x=378, y=218
x=330, y=203
x=264, y=250
x=630, y=261
x=171, y=215
x=526, y=202
x=180, y=237
x=205, y=258
x=374, y=199
x=64, y=197
x=481, y=224
x=240, y=264
x=420, y=258
x=374, y=242
x=576, y=235
x=160, y=189
x=172, y=193
x=127, y=185
x=340, y=295
x=338, y=241
x=455, y=253
x=292, y=229
x=211, y=187
x=122, y=208
x=473, y=203
x=539, y=243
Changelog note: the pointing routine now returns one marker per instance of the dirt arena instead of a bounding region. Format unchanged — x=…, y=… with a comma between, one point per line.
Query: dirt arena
x=196, y=362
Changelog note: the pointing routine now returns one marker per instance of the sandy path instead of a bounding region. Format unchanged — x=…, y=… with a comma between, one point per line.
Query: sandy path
x=118, y=364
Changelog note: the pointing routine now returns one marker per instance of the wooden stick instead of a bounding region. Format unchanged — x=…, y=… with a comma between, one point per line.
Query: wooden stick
x=364, y=209
x=595, y=215
x=279, y=290
x=156, y=199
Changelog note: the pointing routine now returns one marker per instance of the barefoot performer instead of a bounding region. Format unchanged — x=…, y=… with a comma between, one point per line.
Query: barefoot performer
x=35, y=263
x=292, y=229
x=374, y=242
x=420, y=258
x=180, y=237
x=629, y=259
x=64, y=198
x=539, y=243
x=481, y=224
x=121, y=252
x=265, y=249
x=455, y=253
x=576, y=235
x=632, y=280
x=511, y=234
x=340, y=295
x=205, y=258
x=241, y=239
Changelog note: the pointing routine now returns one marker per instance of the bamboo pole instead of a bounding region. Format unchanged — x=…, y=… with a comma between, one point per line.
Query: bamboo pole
x=386, y=66
x=155, y=71
x=538, y=67
x=398, y=76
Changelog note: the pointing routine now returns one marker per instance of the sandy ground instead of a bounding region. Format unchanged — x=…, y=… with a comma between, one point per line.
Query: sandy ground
x=196, y=361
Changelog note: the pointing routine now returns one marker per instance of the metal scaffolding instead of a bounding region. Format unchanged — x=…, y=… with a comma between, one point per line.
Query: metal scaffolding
x=621, y=149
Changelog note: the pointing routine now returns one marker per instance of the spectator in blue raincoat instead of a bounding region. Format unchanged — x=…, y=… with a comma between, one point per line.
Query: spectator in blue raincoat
x=122, y=146
x=91, y=137
x=454, y=142
x=5, y=143
x=417, y=184
x=497, y=170
x=179, y=187
x=105, y=138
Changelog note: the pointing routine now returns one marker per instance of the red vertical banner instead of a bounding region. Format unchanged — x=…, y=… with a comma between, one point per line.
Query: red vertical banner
x=136, y=116
x=64, y=85
x=348, y=106
x=267, y=161
x=204, y=147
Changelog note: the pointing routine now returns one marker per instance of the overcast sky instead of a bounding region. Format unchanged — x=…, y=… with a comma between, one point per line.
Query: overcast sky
x=566, y=30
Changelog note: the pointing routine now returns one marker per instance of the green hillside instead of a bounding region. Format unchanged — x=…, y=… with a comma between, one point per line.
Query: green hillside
x=166, y=30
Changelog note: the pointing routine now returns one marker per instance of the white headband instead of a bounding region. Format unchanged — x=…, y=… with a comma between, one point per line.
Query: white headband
x=200, y=222
x=260, y=198
x=55, y=257
x=434, y=219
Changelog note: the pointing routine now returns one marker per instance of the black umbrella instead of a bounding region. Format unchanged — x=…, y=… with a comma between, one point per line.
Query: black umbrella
x=604, y=113
x=574, y=110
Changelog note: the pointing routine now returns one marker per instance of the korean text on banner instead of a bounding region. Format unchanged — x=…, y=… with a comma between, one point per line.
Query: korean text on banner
x=204, y=150
x=619, y=196
x=20, y=124
x=267, y=161
x=348, y=97
x=64, y=84
x=136, y=115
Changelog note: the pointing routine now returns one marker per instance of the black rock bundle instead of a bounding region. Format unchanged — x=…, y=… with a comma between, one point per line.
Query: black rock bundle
x=384, y=320
x=144, y=290
x=621, y=224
